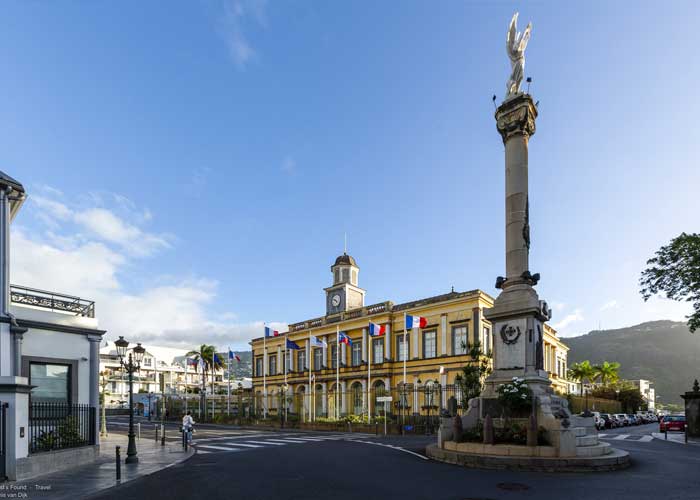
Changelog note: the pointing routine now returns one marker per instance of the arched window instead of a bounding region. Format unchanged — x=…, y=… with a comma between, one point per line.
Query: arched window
x=379, y=391
x=356, y=392
x=337, y=275
x=430, y=390
x=346, y=275
x=318, y=401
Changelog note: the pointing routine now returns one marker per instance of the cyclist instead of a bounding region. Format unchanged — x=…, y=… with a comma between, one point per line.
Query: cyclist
x=188, y=426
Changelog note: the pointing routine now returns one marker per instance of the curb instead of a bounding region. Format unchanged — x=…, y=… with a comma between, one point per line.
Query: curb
x=102, y=491
x=605, y=463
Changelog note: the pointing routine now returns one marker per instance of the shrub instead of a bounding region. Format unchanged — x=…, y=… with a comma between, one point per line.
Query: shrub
x=514, y=396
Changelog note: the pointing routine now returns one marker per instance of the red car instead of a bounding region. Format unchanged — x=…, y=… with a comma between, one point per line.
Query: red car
x=672, y=423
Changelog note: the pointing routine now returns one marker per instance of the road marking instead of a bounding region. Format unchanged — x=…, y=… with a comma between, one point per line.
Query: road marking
x=620, y=437
x=266, y=442
x=202, y=452
x=646, y=439
x=397, y=448
x=224, y=448
x=297, y=441
x=602, y=435
x=315, y=440
x=236, y=443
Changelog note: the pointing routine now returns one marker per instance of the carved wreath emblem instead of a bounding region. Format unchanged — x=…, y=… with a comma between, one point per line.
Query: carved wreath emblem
x=510, y=334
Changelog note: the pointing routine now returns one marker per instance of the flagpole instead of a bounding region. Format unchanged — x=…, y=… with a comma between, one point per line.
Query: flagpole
x=308, y=362
x=337, y=369
x=405, y=349
x=264, y=372
x=284, y=401
x=228, y=402
x=369, y=377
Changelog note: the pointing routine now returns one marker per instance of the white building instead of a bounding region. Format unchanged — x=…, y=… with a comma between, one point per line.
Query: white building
x=646, y=387
x=164, y=370
x=49, y=360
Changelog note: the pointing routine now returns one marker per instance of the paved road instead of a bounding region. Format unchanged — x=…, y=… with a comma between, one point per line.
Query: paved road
x=306, y=465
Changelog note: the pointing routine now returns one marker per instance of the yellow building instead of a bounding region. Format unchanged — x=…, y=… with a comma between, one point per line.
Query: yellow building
x=435, y=353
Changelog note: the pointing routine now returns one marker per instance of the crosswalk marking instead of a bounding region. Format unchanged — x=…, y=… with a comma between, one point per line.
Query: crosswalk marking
x=288, y=440
x=620, y=437
x=646, y=439
x=246, y=445
x=266, y=442
x=224, y=448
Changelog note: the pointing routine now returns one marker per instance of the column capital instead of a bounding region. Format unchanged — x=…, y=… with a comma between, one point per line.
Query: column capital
x=94, y=338
x=516, y=116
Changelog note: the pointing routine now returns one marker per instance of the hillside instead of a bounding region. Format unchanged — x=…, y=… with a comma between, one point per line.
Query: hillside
x=245, y=367
x=664, y=352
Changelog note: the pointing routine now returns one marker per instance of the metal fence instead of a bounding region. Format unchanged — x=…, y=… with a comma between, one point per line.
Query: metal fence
x=57, y=426
x=412, y=408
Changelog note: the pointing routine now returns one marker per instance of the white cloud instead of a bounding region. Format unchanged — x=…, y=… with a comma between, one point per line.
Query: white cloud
x=567, y=320
x=231, y=28
x=611, y=304
x=558, y=306
x=106, y=225
x=101, y=222
x=171, y=311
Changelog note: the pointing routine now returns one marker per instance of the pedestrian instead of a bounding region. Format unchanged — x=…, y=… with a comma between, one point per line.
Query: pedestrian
x=188, y=426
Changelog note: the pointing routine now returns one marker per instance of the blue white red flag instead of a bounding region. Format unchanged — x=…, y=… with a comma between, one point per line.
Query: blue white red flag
x=232, y=355
x=344, y=339
x=415, y=322
x=292, y=345
x=269, y=332
x=375, y=330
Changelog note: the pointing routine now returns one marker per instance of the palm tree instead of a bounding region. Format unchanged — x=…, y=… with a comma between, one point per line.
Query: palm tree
x=207, y=353
x=581, y=372
x=607, y=372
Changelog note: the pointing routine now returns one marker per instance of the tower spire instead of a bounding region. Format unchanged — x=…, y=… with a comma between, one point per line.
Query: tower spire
x=345, y=244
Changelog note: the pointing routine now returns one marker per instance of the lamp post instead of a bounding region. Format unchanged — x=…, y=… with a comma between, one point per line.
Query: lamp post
x=132, y=364
x=150, y=406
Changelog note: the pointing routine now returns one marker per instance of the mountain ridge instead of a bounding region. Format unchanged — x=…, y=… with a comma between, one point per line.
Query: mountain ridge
x=662, y=351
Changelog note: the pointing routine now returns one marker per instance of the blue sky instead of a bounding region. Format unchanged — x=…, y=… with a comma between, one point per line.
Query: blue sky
x=193, y=166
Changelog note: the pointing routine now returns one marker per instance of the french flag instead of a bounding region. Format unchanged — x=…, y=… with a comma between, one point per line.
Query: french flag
x=375, y=330
x=415, y=322
x=269, y=332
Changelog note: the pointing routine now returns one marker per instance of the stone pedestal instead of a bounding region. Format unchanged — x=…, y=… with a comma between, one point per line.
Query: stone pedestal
x=14, y=391
x=692, y=411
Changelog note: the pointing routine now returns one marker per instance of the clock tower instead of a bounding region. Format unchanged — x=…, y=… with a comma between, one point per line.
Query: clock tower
x=344, y=294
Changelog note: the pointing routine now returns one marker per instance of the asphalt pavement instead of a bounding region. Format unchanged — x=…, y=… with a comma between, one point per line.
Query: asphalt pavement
x=312, y=465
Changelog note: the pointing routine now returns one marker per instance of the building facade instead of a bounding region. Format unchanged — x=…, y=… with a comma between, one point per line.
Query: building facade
x=646, y=388
x=164, y=372
x=309, y=382
x=49, y=361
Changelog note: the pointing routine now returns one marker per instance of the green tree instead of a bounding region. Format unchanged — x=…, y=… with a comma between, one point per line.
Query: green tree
x=207, y=353
x=471, y=380
x=675, y=272
x=582, y=372
x=607, y=372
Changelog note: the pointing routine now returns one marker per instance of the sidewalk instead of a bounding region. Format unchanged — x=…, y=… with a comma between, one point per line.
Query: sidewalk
x=87, y=480
x=676, y=437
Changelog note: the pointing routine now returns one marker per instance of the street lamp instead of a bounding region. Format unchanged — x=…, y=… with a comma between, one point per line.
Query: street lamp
x=132, y=364
x=150, y=407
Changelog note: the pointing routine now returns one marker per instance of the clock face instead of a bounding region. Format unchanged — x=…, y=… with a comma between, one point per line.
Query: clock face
x=335, y=300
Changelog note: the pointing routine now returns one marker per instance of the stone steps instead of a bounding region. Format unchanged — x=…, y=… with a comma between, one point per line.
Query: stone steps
x=596, y=450
x=589, y=440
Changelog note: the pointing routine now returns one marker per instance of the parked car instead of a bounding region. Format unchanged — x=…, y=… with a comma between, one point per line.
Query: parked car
x=672, y=423
x=607, y=420
x=633, y=419
x=622, y=419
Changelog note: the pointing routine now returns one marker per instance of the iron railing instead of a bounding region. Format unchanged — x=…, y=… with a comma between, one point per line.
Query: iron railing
x=53, y=301
x=57, y=426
